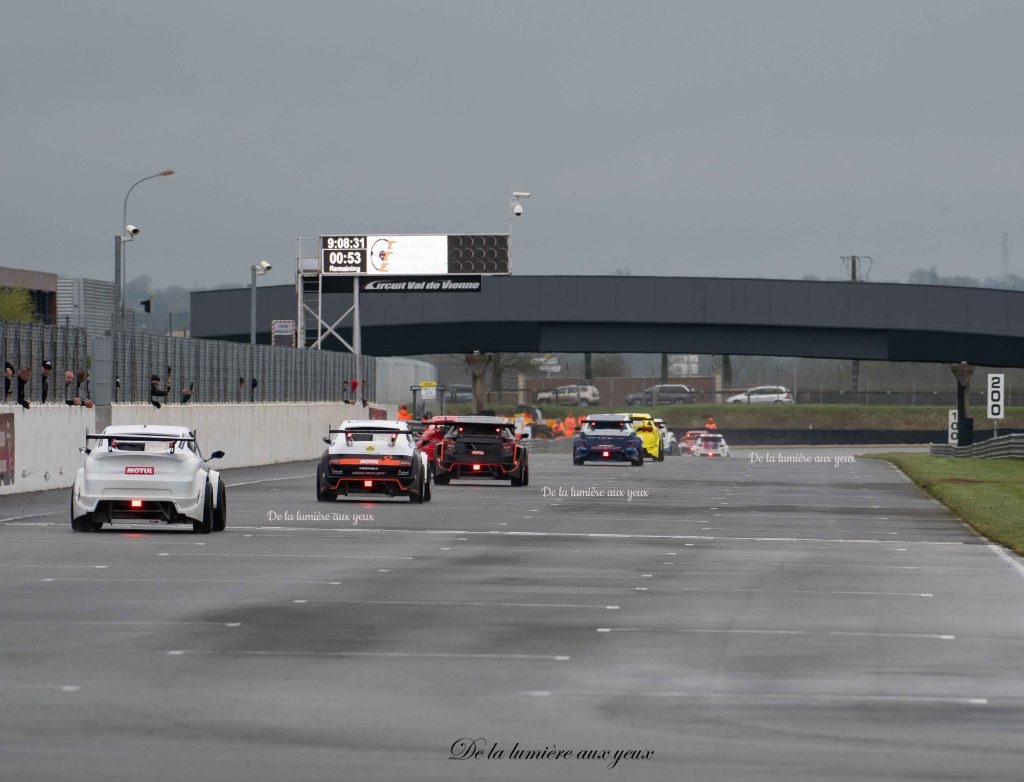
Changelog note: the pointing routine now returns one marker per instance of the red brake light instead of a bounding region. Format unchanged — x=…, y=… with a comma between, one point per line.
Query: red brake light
x=604, y=453
x=368, y=484
x=136, y=503
x=476, y=466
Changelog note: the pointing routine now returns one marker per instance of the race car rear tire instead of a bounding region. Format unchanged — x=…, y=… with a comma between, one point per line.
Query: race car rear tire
x=661, y=455
x=205, y=527
x=84, y=523
x=322, y=495
x=428, y=493
x=638, y=461
x=442, y=479
x=220, y=513
x=577, y=462
x=417, y=495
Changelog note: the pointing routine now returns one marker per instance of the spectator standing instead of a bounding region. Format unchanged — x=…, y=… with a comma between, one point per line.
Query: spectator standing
x=24, y=375
x=44, y=381
x=8, y=377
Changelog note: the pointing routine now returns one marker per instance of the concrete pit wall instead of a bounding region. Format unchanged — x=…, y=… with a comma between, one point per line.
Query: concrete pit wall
x=47, y=438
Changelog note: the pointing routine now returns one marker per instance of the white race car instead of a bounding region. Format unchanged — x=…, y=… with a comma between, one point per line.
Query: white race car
x=373, y=457
x=147, y=473
x=668, y=438
x=710, y=444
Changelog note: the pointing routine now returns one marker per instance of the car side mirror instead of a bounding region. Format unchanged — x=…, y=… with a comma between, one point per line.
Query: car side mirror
x=326, y=440
x=216, y=455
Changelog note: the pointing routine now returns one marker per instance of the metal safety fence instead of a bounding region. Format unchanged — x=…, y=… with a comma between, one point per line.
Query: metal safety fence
x=24, y=347
x=203, y=371
x=1010, y=446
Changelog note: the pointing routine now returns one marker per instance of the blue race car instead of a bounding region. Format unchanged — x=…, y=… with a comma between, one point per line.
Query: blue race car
x=607, y=438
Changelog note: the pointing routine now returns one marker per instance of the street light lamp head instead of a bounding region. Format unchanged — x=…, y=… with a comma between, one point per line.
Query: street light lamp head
x=520, y=194
x=168, y=172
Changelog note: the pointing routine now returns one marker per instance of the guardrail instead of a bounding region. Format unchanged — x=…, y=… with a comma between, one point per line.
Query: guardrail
x=1010, y=446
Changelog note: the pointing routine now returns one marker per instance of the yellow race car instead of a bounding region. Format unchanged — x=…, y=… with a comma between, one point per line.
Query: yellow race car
x=650, y=435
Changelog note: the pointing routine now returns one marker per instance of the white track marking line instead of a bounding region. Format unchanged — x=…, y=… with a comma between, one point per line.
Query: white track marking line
x=110, y=622
x=466, y=603
x=187, y=581
x=287, y=556
x=765, y=696
x=794, y=591
x=1009, y=560
x=270, y=480
x=738, y=631
x=31, y=516
x=396, y=655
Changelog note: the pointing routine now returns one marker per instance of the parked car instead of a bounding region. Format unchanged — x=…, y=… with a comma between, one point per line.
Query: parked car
x=668, y=438
x=581, y=395
x=710, y=444
x=663, y=395
x=762, y=395
x=690, y=439
x=458, y=393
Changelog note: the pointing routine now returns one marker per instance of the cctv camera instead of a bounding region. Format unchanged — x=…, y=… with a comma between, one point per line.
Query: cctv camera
x=265, y=266
x=517, y=210
x=132, y=230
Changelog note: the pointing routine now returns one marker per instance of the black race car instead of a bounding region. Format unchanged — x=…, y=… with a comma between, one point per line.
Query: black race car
x=481, y=447
x=372, y=457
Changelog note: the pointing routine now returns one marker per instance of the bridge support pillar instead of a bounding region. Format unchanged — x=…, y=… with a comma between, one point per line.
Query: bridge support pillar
x=478, y=362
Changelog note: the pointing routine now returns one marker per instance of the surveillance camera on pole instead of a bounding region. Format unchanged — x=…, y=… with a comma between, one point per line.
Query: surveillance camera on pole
x=130, y=232
x=516, y=208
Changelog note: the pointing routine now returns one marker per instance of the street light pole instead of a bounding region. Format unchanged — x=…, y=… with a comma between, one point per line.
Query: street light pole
x=257, y=271
x=119, y=268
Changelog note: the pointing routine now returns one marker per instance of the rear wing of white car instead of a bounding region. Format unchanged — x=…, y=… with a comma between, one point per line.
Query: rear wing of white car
x=112, y=440
x=370, y=430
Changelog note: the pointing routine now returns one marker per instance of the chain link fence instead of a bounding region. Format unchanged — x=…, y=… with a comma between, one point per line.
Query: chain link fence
x=211, y=371
x=215, y=371
x=27, y=345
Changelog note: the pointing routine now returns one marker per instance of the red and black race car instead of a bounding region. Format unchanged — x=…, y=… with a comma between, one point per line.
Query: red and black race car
x=481, y=447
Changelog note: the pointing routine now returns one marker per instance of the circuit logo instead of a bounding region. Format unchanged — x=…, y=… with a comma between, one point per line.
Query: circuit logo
x=380, y=254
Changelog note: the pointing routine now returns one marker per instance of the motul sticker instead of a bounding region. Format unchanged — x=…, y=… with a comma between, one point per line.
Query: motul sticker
x=139, y=471
x=477, y=453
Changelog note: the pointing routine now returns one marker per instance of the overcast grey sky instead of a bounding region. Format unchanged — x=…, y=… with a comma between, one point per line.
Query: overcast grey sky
x=700, y=138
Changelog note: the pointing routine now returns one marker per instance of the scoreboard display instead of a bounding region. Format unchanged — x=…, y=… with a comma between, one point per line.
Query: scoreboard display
x=412, y=254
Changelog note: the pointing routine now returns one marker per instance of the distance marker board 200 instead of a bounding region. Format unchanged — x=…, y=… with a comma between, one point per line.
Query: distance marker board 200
x=414, y=254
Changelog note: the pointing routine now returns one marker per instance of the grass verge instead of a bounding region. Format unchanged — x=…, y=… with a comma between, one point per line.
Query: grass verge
x=986, y=493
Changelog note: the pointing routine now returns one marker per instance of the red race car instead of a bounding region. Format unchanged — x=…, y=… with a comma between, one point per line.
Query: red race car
x=433, y=434
x=689, y=440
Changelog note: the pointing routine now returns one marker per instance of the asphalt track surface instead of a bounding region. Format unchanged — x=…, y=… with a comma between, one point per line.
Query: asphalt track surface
x=738, y=621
